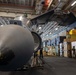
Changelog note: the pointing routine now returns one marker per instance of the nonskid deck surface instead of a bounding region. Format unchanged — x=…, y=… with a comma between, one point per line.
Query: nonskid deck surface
x=52, y=66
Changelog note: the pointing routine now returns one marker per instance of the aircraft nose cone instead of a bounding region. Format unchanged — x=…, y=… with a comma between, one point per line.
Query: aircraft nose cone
x=6, y=55
x=16, y=47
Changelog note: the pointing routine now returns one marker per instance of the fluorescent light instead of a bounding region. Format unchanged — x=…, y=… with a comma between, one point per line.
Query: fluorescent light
x=2, y=25
x=73, y=3
x=39, y=27
x=56, y=28
x=28, y=22
x=59, y=0
x=50, y=33
x=47, y=35
x=20, y=18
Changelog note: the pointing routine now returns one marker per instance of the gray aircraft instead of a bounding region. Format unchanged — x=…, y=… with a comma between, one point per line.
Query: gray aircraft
x=17, y=45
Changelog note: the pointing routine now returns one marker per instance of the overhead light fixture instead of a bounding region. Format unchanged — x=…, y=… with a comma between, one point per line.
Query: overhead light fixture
x=56, y=28
x=47, y=35
x=73, y=3
x=39, y=27
x=59, y=0
x=50, y=33
x=20, y=18
x=28, y=22
x=2, y=25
